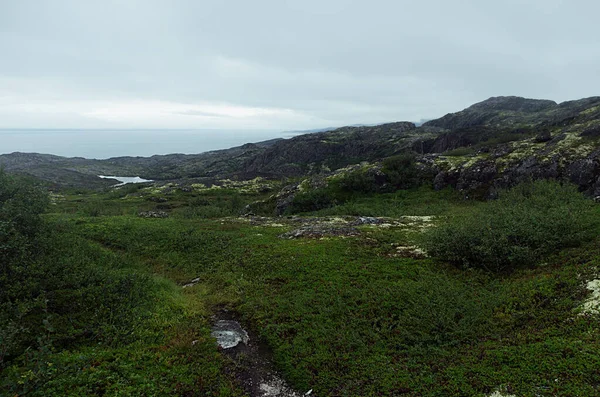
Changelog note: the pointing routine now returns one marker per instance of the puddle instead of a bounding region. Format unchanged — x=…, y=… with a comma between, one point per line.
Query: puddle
x=229, y=333
x=253, y=360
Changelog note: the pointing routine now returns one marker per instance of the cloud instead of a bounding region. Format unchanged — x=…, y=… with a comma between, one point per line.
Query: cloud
x=284, y=65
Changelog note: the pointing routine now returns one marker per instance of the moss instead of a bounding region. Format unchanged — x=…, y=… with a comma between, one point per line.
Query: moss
x=590, y=111
x=452, y=163
x=304, y=185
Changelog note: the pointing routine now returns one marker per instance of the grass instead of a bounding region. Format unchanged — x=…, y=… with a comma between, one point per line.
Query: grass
x=343, y=316
x=422, y=201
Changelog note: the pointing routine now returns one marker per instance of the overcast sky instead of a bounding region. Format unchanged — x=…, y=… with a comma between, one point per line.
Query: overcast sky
x=281, y=65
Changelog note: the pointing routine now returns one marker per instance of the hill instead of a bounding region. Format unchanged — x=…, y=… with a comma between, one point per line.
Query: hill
x=492, y=144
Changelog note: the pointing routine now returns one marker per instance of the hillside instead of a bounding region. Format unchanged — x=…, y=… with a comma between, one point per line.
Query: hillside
x=502, y=141
x=362, y=261
x=491, y=144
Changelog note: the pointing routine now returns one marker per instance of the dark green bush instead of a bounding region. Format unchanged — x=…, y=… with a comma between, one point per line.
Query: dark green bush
x=359, y=181
x=401, y=171
x=229, y=204
x=312, y=200
x=21, y=204
x=55, y=287
x=524, y=224
x=460, y=151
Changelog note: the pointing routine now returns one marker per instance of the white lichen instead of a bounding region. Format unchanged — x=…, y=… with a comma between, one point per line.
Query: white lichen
x=592, y=304
x=498, y=394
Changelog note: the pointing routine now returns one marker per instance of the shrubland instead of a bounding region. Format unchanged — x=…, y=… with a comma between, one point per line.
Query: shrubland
x=496, y=305
x=519, y=228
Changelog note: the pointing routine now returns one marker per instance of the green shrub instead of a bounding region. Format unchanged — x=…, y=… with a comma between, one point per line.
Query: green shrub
x=205, y=212
x=460, y=151
x=359, y=181
x=21, y=204
x=312, y=200
x=56, y=289
x=401, y=171
x=230, y=204
x=520, y=227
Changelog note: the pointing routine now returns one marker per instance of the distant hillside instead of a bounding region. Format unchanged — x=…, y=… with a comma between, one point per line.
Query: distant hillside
x=487, y=145
x=80, y=172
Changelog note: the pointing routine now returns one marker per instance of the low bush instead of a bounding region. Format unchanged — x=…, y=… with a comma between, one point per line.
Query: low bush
x=312, y=200
x=460, y=151
x=524, y=224
x=359, y=181
x=55, y=288
x=402, y=172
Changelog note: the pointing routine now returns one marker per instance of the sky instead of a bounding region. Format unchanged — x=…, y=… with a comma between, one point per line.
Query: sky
x=274, y=65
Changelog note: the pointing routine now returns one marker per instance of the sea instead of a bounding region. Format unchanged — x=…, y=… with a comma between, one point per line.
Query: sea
x=106, y=143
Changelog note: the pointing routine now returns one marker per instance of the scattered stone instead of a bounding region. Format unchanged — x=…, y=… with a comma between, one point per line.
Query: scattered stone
x=229, y=333
x=153, y=214
x=192, y=283
x=157, y=199
x=318, y=231
x=335, y=226
x=367, y=220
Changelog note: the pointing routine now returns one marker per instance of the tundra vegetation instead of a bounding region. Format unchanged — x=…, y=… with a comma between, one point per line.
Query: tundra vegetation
x=91, y=297
x=372, y=261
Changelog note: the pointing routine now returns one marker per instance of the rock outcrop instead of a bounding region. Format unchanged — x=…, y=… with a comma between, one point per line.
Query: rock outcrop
x=489, y=145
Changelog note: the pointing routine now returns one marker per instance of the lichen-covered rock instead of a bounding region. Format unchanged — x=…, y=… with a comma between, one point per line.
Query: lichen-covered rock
x=153, y=214
x=319, y=231
x=591, y=306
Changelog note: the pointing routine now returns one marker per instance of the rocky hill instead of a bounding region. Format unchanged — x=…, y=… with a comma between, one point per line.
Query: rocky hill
x=78, y=172
x=491, y=144
x=504, y=140
x=326, y=151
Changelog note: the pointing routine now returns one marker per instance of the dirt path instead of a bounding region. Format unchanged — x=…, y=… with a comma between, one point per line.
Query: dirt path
x=253, y=360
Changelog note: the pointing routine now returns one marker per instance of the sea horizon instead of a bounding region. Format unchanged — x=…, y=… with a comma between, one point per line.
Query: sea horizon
x=104, y=143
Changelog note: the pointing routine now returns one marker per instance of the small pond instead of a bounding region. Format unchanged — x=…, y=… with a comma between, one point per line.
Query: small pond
x=125, y=179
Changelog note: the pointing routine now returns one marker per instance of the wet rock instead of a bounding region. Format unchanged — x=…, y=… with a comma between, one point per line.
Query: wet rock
x=229, y=334
x=253, y=360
